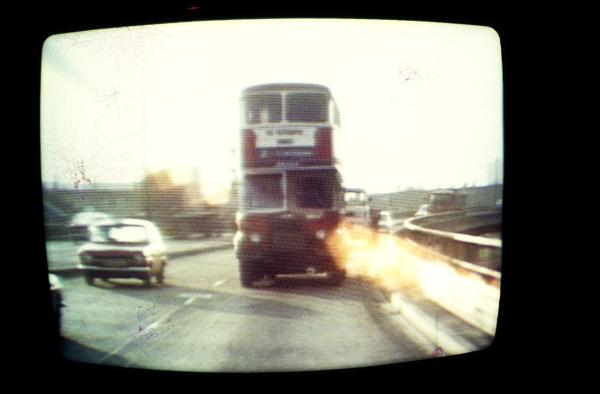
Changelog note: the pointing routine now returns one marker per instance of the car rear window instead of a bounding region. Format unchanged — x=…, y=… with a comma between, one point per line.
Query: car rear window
x=119, y=234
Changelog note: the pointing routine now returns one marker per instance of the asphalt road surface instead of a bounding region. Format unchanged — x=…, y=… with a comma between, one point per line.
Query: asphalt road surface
x=201, y=319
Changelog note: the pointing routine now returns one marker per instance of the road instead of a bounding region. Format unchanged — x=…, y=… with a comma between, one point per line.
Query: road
x=201, y=319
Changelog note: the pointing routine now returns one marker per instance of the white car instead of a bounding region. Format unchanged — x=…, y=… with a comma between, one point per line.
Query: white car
x=124, y=248
x=390, y=222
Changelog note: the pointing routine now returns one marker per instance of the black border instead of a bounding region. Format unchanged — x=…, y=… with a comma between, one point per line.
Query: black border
x=39, y=350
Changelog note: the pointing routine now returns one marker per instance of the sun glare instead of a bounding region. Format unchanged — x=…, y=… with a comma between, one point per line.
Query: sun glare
x=180, y=175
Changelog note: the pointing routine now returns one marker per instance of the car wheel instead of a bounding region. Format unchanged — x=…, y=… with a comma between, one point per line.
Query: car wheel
x=247, y=273
x=58, y=315
x=58, y=322
x=160, y=276
x=148, y=280
x=89, y=279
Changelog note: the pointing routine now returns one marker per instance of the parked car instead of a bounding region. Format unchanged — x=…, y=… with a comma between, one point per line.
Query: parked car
x=124, y=248
x=57, y=300
x=79, y=224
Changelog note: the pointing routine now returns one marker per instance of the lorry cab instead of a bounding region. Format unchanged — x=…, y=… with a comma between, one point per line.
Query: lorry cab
x=357, y=211
x=446, y=200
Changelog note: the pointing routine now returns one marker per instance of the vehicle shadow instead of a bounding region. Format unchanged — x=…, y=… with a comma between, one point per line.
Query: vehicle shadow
x=74, y=352
x=215, y=300
x=353, y=289
x=111, y=283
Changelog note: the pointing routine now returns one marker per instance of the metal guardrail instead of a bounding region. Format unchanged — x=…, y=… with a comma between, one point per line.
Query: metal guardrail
x=471, y=252
x=471, y=289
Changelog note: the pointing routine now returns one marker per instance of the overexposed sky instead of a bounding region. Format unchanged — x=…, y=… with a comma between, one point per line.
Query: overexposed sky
x=420, y=103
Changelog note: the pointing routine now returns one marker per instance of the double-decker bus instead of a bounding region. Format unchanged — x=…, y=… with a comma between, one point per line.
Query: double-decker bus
x=291, y=199
x=288, y=124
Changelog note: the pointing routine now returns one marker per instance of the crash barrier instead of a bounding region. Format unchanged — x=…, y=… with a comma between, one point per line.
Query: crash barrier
x=464, y=268
x=182, y=226
x=190, y=226
x=474, y=252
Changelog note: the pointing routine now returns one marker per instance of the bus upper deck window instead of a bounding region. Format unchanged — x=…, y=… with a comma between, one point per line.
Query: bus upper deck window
x=263, y=108
x=307, y=107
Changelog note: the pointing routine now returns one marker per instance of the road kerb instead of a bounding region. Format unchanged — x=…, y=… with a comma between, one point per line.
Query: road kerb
x=426, y=326
x=74, y=270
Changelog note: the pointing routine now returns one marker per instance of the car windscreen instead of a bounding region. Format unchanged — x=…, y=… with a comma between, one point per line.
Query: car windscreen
x=310, y=189
x=88, y=217
x=262, y=108
x=263, y=192
x=307, y=107
x=128, y=234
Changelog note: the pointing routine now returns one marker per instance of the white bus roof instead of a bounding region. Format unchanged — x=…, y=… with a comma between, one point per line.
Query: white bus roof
x=291, y=168
x=285, y=86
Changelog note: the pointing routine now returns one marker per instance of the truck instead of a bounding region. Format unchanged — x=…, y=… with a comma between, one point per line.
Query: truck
x=291, y=199
x=358, y=210
x=440, y=201
x=360, y=218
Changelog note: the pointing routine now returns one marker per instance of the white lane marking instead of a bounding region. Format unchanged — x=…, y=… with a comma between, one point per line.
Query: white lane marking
x=189, y=301
x=195, y=295
x=155, y=324
x=219, y=283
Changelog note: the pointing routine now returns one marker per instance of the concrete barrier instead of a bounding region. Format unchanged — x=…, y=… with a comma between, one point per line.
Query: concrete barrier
x=463, y=293
x=468, y=287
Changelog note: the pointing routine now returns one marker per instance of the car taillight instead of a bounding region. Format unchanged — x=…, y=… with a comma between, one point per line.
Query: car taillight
x=324, y=151
x=249, y=151
x=86, y=257
x=139, y=257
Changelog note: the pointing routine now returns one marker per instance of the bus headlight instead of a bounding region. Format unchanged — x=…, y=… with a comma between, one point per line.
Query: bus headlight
x=255, y=237
x=321, y=234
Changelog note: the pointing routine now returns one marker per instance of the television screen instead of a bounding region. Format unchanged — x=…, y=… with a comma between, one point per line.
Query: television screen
x=274, y=194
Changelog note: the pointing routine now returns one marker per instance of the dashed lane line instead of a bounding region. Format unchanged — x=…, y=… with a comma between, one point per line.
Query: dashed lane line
x=191, y=297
